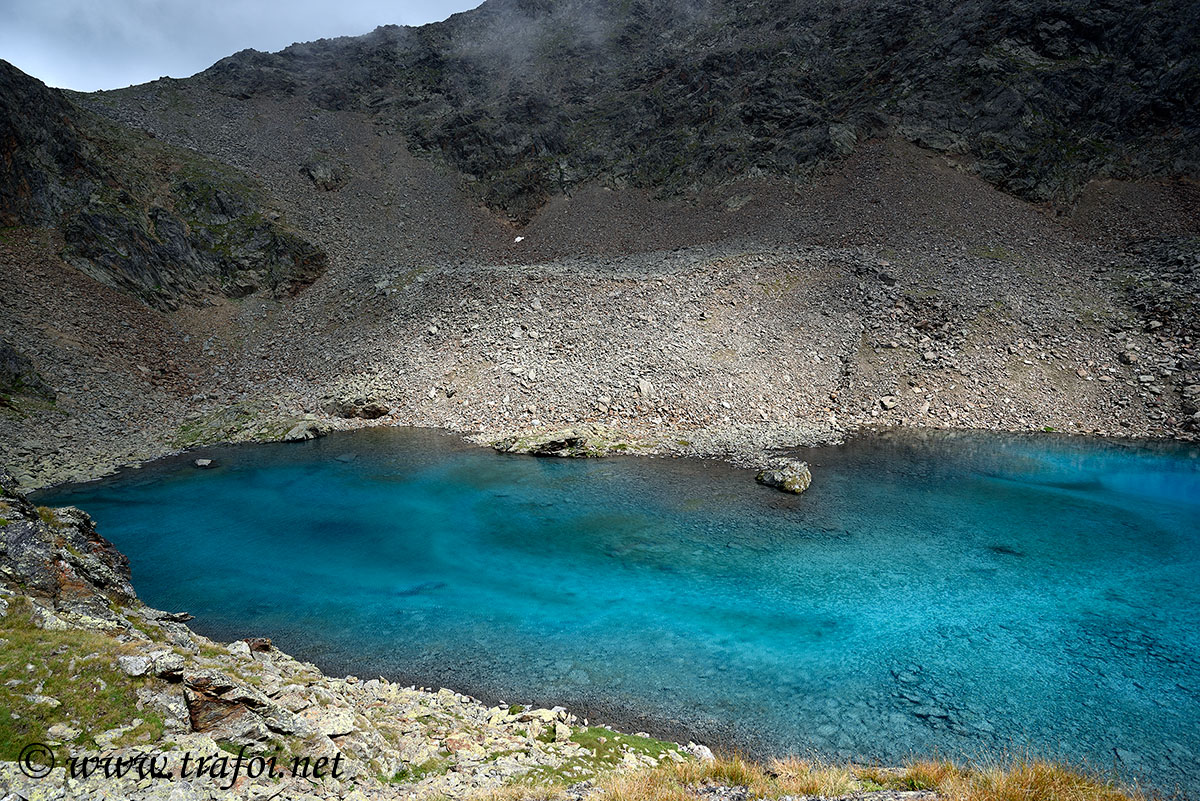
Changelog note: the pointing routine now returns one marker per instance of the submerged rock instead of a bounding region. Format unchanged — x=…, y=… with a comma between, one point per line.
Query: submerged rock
x=212, y=700
x=787, y=475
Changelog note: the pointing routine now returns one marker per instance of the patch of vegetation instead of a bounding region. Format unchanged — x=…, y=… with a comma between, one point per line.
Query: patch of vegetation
x=607, y=749
x=231, y=424
x=435, y=766
x=1024, y=779
x=608, y=744
x=994, y=252
x=49, y=517
x=75, y=668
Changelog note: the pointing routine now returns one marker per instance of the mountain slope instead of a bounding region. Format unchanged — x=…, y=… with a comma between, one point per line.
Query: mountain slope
x=532, y=97
x=161, y=222
x=663, y=236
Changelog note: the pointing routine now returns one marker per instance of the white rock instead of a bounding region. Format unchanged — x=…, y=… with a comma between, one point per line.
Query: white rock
x=134, y=665
x=332, y=722
x=239, y=649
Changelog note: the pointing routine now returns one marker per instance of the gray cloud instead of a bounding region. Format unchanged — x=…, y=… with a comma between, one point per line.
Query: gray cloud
x=106, y=44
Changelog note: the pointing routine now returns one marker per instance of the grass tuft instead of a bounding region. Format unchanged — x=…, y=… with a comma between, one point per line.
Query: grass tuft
x=927, y=774
x=1033, y=780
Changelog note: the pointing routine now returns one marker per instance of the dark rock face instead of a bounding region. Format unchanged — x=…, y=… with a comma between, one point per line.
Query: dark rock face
x=532, y=97
x=163, y=223
x=58, y=556
x=18, y=376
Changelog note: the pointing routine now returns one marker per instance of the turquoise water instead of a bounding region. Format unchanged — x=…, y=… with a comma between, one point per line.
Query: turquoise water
x=959, y=595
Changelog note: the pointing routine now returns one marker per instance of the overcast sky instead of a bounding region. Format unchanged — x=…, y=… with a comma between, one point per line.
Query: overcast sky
x=107, y=44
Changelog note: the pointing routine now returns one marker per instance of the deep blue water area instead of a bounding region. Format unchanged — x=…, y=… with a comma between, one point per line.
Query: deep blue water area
x=960, y=595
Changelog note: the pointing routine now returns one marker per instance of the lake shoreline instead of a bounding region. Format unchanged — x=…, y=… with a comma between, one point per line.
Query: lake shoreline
x=751, y=449
x=1010, y=467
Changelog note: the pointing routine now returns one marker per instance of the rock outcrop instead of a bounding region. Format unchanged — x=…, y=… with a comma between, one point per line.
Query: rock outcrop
x=57, y=556
x=348, y=406
x=787, y=475
x=161, y=222
x=580, y=442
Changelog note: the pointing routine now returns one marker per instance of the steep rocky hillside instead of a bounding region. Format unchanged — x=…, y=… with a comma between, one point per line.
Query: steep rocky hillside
x=530, y=98
x=161, y=222
x=712, y=227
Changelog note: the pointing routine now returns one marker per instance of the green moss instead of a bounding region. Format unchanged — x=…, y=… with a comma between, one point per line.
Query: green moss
x=608, y=744
x=606, y=749
x=48, y=517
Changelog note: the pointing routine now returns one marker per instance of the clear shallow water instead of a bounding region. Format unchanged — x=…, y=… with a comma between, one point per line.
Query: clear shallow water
x=958, y=595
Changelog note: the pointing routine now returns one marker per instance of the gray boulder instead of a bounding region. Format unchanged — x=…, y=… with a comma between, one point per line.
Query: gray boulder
x=786, y=475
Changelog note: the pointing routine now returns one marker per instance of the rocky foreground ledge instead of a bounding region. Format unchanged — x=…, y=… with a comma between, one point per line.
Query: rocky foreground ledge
x=97, y=680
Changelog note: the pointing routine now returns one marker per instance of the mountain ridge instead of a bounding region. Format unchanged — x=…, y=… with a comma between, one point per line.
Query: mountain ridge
x=528, y=99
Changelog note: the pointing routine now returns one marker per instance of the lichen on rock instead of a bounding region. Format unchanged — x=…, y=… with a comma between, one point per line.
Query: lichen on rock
x=787, y=475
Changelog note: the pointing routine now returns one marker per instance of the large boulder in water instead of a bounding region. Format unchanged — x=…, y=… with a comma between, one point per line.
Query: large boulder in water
x=786, y=475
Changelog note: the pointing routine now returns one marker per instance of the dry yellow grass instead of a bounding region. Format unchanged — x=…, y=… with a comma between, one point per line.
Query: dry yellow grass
x=676, y=782
x=1031, y=780
x=803, y=777
x=526, y=792
x=1022, y=779
x=927, y=774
